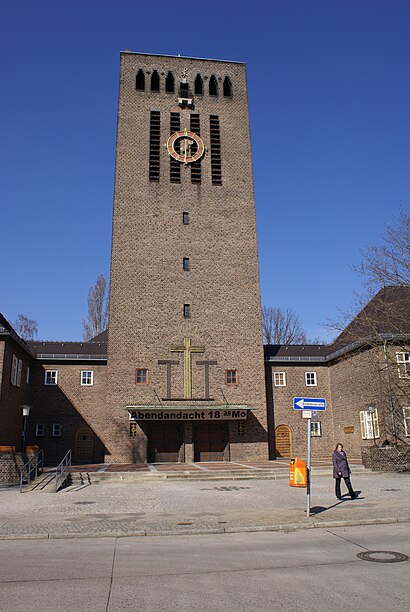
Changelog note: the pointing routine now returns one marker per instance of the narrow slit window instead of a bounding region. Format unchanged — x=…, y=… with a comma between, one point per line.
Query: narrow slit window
x=185, y=264
x=140, y=81
x=187, y=311
x=169, y=83
x=185, y=218
x=213, y=86
x=155, y=81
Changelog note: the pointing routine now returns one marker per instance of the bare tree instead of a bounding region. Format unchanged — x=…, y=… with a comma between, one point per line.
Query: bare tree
x=388, y=263
x=25, y=327
x=97, y=318
x=281, y=327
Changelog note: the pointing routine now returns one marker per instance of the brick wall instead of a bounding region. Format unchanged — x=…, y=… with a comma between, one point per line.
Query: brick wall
x=71, y=405
x=10, y=466
x=387, y=459
x=12, y=397
x=280, y=407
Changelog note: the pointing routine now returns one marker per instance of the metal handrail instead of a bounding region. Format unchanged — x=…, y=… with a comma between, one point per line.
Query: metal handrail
x=33, y=464
x=62, y=469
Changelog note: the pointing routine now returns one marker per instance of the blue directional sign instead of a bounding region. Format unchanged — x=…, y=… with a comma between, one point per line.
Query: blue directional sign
x=309, y=403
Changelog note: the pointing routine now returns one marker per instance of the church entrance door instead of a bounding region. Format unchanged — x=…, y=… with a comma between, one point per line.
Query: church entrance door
x=211, y=441
x=165, y=443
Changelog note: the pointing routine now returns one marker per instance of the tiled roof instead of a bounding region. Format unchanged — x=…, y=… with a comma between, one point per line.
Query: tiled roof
x=296, y=350
x=388, y=312
x=69, y=350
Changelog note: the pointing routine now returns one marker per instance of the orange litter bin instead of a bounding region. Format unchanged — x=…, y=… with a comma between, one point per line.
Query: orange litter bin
x=298, y=473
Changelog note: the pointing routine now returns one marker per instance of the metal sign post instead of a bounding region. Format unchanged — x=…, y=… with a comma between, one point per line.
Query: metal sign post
x=308, y=472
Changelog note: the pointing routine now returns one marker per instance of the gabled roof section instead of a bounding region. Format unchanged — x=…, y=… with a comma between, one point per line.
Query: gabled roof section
x=387, y=313
x=103, y=337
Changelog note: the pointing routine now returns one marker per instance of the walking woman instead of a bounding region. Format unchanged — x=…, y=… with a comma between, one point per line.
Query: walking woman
x=341, y=470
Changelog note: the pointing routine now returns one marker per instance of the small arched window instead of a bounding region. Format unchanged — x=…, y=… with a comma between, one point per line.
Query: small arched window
x=169, y=83
x=155, y=81
x=227, y=87
x=213, y=86
x=199, y=85
x=140, y=81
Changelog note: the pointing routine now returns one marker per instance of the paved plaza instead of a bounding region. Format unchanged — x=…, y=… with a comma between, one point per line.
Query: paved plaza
x=157, y=506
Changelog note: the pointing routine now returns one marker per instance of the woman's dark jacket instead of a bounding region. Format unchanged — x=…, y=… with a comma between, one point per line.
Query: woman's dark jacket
x=340, y=465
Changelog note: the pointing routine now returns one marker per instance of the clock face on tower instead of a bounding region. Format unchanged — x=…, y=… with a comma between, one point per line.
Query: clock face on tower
x=186, y=147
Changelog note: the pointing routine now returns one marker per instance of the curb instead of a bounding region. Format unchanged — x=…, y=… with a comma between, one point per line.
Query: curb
x=285, y=528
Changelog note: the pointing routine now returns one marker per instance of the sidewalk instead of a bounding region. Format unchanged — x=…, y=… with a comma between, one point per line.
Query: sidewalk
x=159, y=507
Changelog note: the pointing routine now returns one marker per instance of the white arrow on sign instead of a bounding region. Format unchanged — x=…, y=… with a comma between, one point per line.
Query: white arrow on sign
x=303, y=403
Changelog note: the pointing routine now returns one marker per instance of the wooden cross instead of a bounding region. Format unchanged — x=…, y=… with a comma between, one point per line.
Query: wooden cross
x=187, y=349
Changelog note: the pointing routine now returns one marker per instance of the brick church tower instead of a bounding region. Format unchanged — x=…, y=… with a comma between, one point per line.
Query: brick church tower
x=185, y=359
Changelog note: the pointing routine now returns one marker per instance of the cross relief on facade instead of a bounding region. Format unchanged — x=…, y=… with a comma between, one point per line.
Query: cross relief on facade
x=187, y=350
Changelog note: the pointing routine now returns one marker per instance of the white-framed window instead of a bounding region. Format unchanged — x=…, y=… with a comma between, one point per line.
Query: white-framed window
x=28, y=375
x=16, y=369
x=315, y=429
x=50, y=377
x=40, y=429
x=406, y=417
x=56, y=430
x=403, y=359
x=369, y=424
x=310, y=379
x=87, y=378
x=279, y=379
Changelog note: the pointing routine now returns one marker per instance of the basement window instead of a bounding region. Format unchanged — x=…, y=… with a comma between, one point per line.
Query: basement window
x=56, y=430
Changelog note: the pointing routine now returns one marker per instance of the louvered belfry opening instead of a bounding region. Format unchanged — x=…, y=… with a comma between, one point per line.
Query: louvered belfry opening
x=199, y=85
x=155, y=81
x=174, y=165
x=216, y=167
x=195, y=166
x=154, y=145
x=169, y=83
x=140, y=81
x=213, y=86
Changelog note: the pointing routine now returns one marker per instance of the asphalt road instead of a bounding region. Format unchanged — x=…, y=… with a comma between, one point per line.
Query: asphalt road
x=307, y=570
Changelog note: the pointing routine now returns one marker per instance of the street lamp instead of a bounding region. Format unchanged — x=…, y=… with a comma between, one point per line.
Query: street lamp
x=26, y=411
x=372, y=410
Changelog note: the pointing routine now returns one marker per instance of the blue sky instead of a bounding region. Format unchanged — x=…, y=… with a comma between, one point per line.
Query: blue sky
x=329, y=96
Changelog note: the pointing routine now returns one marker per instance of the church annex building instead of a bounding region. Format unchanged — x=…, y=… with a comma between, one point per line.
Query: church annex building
x=181, y=375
